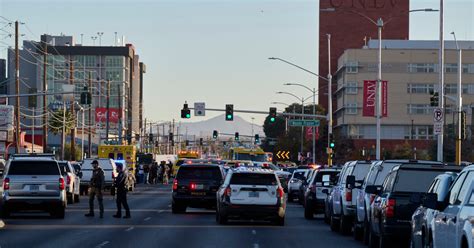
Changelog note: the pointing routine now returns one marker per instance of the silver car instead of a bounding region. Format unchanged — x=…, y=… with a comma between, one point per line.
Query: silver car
x=34, y=183
x=72, y=181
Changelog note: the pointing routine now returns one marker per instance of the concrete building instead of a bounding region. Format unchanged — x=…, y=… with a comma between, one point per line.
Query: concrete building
x=411, y=71
x=118, y=65
x=3, y=76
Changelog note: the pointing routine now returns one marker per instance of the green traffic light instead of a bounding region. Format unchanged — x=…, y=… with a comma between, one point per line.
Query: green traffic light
x=188, y=116
x=229, y=116
x=331, y=145
x=272, y=119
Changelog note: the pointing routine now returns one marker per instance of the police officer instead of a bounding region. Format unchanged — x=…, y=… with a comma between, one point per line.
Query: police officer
x=96, y=187
x=120, y=185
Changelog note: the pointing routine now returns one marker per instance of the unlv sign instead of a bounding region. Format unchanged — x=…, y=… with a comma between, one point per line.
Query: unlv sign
x=363, y=4
x=370, y=98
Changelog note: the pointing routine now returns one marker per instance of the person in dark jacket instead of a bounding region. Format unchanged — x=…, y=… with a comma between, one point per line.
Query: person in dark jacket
x=121, y=187
x=96, y=187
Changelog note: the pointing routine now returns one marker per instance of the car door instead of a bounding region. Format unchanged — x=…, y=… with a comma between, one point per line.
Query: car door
x=440, y=228
x=337, y=191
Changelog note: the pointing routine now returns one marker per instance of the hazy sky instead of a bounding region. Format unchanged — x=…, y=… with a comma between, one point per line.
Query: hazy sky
x=212, y=51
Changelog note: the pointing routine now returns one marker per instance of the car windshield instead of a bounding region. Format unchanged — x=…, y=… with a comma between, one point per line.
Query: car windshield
x=299, y=175
x=33, y=168
x=361, y=170
x=253, y=179
x=414, y=180
x=204, y=173
x=329, y=176
x=64, y=168
x=251, y=157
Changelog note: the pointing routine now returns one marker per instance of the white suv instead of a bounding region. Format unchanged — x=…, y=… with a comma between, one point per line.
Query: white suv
x=249, y=193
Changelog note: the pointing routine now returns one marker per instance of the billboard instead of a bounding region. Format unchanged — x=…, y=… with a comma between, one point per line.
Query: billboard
x=370, y=98
x=100, y=115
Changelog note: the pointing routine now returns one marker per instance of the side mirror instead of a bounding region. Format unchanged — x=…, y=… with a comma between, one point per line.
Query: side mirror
x=430, y=200
x=325, y=191
x=373, y=189
x=350, y=182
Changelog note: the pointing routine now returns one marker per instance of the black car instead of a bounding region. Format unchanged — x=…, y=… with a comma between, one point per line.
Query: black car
x=396, y=202
x=195, y=186
x=314, y=197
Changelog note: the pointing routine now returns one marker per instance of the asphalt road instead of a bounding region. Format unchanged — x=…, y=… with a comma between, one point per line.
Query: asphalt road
x=153, y=225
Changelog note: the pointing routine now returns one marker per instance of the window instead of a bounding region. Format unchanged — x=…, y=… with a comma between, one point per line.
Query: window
x=454, y=192
x=90, y=61
x=420, y=88
x=351, y=108
x=33, y=168
x=352, y=67
x=419, y=109
x=453, y=89
x=114, y=61
x=421, y=67
x=453, y=68
x=414, y=180
x=465, y=187
x=253, y=179
x=114, y=74
x=351, y=87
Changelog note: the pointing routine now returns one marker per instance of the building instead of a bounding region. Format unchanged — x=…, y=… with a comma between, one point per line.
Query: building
x=72, y=67
x=353, y=29
x=3, y=76
x=411, y=71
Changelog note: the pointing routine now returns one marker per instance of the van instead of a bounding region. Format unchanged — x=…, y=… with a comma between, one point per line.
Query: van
x=110, y=172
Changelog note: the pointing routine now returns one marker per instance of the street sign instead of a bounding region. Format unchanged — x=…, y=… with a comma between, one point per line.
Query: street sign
x=438, y=117
x=199, y=109
x=300, y=123
x=283, y=155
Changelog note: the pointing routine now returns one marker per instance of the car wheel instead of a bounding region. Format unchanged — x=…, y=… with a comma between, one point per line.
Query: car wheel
x=70, y=198
x=357, y=231
x=221, y=219
x=177, y=208
x=290, y=198
x=365, y=237
x=345, y=227
x=334, y=224
x=280, y=221
x=77, y=198
x=383, y=241
x=326, y=217
x=5, y=212
x=372, y=239
x=308, y=213
x=58, y=212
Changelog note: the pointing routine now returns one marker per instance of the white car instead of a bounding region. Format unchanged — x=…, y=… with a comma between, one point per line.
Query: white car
x=72, y=181
x=453, y=226
x=295, y=182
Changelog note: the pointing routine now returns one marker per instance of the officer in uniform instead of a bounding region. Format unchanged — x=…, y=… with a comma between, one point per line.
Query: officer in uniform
x=121, y=187
x=96, y=187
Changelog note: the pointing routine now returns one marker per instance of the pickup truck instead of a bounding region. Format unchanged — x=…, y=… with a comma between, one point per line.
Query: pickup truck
x=396, y=200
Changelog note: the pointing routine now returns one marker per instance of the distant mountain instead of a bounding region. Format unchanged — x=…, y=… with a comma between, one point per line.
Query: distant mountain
x=205, y=128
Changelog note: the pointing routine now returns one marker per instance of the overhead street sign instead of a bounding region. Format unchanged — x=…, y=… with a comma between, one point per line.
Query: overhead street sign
x=306, y=123
x=199, y=109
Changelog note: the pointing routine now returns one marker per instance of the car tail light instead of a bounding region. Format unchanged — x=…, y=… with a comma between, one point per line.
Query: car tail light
x=372, y=198
x=228, y=191
x=390, y=208
x=280, y=192
x=68, y=180
x=175, y=184
x=6, y=184
x=192, y=186
x=61, y=183
x=349, y=195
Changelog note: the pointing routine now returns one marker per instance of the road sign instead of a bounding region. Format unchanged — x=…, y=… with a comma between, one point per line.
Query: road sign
x=199, y=109
x=307, y=123
x=438, y=118
x=283, y=155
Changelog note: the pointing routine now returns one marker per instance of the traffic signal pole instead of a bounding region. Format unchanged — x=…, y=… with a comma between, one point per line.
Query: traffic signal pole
x=266, y=113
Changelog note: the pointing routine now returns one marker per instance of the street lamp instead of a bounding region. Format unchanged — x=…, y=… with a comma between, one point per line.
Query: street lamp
x=459, y=102
x=82, y=123
x=314, y=112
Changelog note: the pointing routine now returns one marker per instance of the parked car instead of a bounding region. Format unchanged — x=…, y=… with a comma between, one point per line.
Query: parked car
x=423, y=216
x=110, y=172
x=295, y=182
x=342, y=206
x=392, y=209
x=453, y=225
x=249, y=193
x=314, y=197
x=196, y=186
x=304, y=186
x=34, y=182
x=72, y=181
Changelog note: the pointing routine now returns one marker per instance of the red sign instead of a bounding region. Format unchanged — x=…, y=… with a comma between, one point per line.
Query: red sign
x=309, y=133
x=100, y=115
x=370, y=98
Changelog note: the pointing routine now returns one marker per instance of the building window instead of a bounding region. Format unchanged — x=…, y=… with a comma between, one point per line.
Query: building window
x=418, y=109
x=114, y=61
x=453, y=68
x=352, y=67
x=421, y=67
x=90, y=61
x=351, y=108
x=351, y=87
x=420, y=88
x=453, y=89
x=114, y=74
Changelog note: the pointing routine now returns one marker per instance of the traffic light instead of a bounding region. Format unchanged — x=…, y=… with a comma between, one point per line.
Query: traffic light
x=434, y=99
x=237, y=136
x=273, y=114
x=170, y=137
x=86, y=97
x=185, y=112
x=257, y=138
x=150, y=137
x=332, y=144
x=201, y=142
x=229, y=112
x=463, y=125
x=215, y=134
x=187, y=142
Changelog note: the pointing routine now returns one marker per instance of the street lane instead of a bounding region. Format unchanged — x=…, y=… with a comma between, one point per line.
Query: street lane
x=153, y=225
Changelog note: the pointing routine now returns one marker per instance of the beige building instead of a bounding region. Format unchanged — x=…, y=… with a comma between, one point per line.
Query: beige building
x=411, y=71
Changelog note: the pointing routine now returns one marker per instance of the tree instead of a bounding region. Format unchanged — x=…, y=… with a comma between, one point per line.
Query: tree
x=67, y=152
x=56, y=122
x=274, y=129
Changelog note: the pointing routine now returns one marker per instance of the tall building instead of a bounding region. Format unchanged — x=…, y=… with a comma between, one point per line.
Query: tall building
x=3, y=76
x=411, y=71
x=350, y=26
x=68, y=67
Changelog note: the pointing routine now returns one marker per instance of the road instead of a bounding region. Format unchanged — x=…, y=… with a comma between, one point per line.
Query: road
x=153, y=225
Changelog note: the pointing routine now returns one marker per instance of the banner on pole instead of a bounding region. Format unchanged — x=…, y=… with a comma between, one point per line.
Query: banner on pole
x=370, y=98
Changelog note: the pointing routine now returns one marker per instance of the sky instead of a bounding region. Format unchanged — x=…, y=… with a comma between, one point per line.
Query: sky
x=212, y=51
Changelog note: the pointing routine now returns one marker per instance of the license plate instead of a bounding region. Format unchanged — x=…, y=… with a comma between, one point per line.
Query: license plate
x=198, y=193
x=253, y=194
x=199, y=186
x=34, y=187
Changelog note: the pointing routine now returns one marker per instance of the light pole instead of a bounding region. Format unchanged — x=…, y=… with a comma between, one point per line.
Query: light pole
x=314, y=112
x=100, y=37
x=459, y=102
x=82, y=124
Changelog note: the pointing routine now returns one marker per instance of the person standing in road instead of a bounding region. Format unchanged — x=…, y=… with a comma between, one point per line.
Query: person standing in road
x=166, y=174
x=96, y=187
x=146, y=170
x=121, y=186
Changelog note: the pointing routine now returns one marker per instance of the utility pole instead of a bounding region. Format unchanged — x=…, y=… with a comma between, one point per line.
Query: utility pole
x=120, y=115
x=73, y=129
x=459, y=135
x=380, y=24
x=63, y=133
x=45, y=105
x=330, y=152
x=107, y=124
x=440, y=156
x=90, y=117
x=17, y=86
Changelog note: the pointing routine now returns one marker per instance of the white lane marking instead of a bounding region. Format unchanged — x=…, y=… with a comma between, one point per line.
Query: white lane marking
x=102, y=244
x=161, y=211
x=256, y=245
x=147, y=219
x=254, y=232
x=129, y=229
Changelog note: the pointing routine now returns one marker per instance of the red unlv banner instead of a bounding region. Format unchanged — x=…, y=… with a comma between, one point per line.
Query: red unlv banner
x=370, y=96
x=100, y=115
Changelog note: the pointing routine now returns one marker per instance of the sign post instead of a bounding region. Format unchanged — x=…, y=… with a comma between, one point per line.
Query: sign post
x=438, y=117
